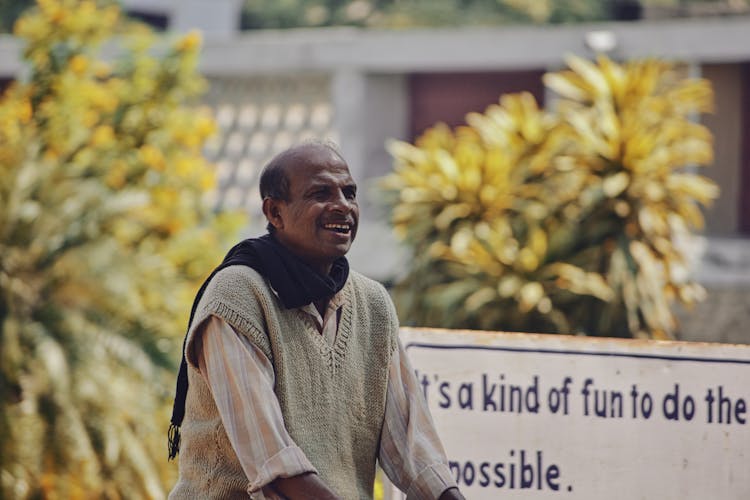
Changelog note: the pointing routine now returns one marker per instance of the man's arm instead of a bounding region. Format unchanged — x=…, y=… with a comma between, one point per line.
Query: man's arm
x=303, y=486
x=241, y=379
x=452, y=494
x=410, y=450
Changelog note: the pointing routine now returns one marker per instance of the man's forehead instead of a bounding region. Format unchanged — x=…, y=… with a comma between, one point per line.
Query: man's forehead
x=324, y=172
x=323, y=177
x=320, y=166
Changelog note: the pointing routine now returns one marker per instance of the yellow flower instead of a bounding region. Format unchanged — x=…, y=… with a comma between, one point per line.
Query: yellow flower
x=24, y=111
x=87, y=9
x=208, y=181
x=47, y=5
x=183, y=166
x=378, y=490
x=115, y=178
x=172, y=226
x=101, y=98
x=152, y=157
x=189, y=42
x=21, y=27
x=165, y=197
x=53, y=11
x=103, y=135
x=39, y=59
x=90, y=117
x=51, y=155
x=205, y=126
x=110, y=15
x=78, y=64
x=188, y=138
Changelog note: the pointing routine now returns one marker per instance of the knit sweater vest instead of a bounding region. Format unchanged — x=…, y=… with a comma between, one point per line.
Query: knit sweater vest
x=332, y=397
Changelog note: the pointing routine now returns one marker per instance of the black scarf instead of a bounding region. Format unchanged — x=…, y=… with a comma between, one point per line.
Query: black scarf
x=296, y=283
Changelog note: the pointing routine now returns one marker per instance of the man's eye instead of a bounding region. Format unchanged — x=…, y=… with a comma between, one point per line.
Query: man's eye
x=350, y=194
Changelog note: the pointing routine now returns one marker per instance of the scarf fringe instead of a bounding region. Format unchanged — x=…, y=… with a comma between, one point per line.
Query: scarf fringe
x=173, y=438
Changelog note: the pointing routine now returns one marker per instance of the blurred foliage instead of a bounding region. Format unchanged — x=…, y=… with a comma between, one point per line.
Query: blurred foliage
x=279, y=14
x=105, y=234
x=399, y=14
x=566, y=220
x=258, y=14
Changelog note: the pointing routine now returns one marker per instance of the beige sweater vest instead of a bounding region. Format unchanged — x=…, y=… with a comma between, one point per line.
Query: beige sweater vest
x=332, y=397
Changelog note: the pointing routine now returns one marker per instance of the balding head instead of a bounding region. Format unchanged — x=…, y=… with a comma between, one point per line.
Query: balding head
x=274, y=179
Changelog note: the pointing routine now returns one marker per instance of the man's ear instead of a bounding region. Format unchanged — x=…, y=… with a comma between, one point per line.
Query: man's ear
x=272, y=212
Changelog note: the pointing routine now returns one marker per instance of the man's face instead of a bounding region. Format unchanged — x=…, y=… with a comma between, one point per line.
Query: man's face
x=319, y=220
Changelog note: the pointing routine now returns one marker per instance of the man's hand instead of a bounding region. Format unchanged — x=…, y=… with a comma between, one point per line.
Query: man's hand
x=306, y=486
x=451, y=494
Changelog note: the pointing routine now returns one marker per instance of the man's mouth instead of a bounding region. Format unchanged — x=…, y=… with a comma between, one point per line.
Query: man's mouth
x=339, y=228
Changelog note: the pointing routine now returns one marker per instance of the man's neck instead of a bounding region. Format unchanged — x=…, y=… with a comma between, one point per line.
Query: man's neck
x=322, y=268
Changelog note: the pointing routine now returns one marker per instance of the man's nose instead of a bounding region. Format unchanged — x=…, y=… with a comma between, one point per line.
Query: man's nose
x=341, y=203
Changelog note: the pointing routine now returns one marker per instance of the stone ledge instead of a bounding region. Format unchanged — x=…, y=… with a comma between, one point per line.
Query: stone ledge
x=724, y=262
x=723, y=268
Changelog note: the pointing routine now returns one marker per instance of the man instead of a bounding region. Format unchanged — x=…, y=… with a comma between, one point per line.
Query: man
x=297, y=380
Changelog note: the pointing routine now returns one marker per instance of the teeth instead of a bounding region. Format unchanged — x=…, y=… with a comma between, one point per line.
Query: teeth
x=337, y=227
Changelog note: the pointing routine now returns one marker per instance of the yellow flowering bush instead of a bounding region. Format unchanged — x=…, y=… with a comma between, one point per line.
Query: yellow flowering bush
x=105, y=235
x=563, y=220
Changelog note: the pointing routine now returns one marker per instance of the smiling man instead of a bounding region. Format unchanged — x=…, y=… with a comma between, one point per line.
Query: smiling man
x=293, y=382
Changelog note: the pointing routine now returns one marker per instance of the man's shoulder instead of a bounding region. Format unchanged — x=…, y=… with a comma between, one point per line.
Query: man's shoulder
x=239, y=274
x=374, y=308
x=371, y=292
x=364, y=283
x=236, y=281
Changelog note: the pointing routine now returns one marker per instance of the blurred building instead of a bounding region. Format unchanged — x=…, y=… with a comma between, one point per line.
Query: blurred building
x=360, y=88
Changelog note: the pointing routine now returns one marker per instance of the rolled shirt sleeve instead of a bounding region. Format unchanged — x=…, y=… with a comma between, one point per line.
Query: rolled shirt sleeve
x=241, y=379
x=411, y=453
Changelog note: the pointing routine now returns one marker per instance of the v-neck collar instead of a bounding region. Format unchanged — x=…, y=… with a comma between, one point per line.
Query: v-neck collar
x=328, y=324
x=334, y=349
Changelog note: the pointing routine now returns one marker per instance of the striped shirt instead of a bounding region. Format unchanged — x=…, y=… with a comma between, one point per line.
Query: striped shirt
x=241, y=379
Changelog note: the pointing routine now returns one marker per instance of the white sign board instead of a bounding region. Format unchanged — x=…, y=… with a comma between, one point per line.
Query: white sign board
x=548, y=416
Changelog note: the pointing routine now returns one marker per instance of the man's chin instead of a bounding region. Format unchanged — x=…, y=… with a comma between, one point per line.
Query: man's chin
x=340, y=243
x=343, y=248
